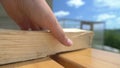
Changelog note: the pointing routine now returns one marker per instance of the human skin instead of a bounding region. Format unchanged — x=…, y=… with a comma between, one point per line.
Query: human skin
x=35, y=15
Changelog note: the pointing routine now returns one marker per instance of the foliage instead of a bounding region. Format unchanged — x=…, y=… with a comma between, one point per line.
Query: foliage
x=112, y=38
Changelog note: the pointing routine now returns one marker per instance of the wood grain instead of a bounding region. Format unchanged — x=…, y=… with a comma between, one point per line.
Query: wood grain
x=38, y=63
x=16, y=45
x=89, y=58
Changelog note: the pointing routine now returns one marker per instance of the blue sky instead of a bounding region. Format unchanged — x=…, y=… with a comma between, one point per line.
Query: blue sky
x=92, y=10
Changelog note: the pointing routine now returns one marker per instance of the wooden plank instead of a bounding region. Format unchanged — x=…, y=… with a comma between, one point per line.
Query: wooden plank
x=102, y=55
x=38, y=63
x=88, y=58
x=16, y=45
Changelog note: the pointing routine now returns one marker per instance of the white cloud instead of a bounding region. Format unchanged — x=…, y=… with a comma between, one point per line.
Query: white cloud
x=118, y=20
x=103, y=17
x=75, y=3
x=112, y=21
x=114, y=4
x=62, y=13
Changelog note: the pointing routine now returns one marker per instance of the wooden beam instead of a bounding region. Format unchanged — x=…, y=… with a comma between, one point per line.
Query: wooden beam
x=16, y=45
x=38, y=63
x=88, y=58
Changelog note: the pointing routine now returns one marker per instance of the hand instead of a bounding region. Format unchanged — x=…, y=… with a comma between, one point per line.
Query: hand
x=35, y=15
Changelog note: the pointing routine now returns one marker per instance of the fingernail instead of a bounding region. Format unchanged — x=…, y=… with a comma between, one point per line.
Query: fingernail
x=70, y=43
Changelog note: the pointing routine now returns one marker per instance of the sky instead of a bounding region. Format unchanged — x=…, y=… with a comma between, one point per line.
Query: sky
x=91, y=10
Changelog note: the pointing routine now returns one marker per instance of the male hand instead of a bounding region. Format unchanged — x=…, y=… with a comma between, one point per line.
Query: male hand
x=35, y=15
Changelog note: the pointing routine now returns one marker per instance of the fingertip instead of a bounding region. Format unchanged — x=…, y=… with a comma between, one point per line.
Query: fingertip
x=69, y=42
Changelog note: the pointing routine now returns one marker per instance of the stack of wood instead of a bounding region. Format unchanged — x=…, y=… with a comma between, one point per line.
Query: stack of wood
x=16, y=45
x=39, y=49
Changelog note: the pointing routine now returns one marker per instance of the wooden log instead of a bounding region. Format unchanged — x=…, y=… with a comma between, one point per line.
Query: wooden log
x=88, y=58
x=38, y=63
x=16, y=45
